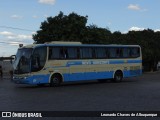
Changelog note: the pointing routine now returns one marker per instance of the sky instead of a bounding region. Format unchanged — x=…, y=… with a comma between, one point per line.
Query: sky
x=19, y=19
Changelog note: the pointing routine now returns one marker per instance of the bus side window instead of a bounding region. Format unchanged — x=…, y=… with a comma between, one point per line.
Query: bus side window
x=78, y=53
x=50, y=53
x=100, y=52
x=61, y=54
x=54, y=53
x=107, y=53
x=138, y=52
x=125, y=53
x=94, y=53
x=118, y=53
x=112, y=52
x=58, y=53
x=86, y=53
x=135, y=52
x=65, y=53
x=130, y=52
x=72, y=53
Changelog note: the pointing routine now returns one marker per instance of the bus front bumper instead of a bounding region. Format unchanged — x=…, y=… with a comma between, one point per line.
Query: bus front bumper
x=22, y=80
x=33, y=80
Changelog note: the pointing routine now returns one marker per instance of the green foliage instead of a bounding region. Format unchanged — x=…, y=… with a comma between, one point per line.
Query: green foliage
x=61, y=28
x=95, y=35
x=73, y=28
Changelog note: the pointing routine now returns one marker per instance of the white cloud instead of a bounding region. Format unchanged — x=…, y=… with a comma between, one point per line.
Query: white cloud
x=14, y=43
x=9, y=42
x=23, y=37
x=19, y=37
x=49, y=2
x=6, y=33
x=136, y=29
x=16, y=16
x=14, y=39
x=134, y=7
x=141, y=29
x=157, y=30
x=11, y=35
x=35, y=16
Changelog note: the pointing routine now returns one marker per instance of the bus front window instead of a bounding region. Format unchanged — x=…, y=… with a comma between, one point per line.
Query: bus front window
x=38, y=59
x=21, y=64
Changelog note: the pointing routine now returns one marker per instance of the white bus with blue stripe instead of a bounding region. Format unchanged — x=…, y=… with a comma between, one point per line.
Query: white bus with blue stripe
x=58, y=62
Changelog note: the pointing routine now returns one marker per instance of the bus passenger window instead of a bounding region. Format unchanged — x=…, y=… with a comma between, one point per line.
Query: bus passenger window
x=112, y=52
x=78, y=53
x=86, y=52
x=100, y=53
x=94, y=53
x=126, y=52
x=65, y=53
x=50, y=53
x=54, y=53
x=61, y=53
x=72, y=53
x=135, y=52
x=118, y=53
x=107, y=53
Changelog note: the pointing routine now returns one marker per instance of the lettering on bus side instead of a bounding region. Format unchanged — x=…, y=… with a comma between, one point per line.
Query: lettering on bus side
x=100, y=62
x=94, y=62
x=86, y=62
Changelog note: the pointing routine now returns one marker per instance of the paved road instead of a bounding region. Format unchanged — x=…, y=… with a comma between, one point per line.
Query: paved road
x=133, y=94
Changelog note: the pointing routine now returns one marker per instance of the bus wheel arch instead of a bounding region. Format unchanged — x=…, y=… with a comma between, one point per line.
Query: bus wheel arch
x=56, y=79
x=118, y=76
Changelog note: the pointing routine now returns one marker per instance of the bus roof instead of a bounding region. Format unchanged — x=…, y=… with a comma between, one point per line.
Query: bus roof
x=63, y=42
x=77, y=45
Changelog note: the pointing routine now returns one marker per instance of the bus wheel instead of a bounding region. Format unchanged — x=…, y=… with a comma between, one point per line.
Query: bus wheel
x=118, y=76
x=55, y=80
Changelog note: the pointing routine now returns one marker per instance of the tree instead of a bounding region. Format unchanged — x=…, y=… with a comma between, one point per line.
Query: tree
x=95, y=35
x=117, y=38
x=62, y=28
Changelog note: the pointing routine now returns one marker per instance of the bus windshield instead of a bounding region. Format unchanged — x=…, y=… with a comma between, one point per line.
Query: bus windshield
x=29, y=60
x=22, y=62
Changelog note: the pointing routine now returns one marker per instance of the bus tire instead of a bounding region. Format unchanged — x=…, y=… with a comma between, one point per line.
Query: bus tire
x=55, y=80
x=118, y=76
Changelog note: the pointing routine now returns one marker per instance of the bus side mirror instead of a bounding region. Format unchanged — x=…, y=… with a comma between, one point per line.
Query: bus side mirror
x=12, y=58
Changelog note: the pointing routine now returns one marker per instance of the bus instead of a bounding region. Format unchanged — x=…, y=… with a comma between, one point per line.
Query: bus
x=57, y=62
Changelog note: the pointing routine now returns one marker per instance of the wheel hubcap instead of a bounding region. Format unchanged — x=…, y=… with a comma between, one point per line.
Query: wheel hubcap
x=118, y=77
x=55, y=80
